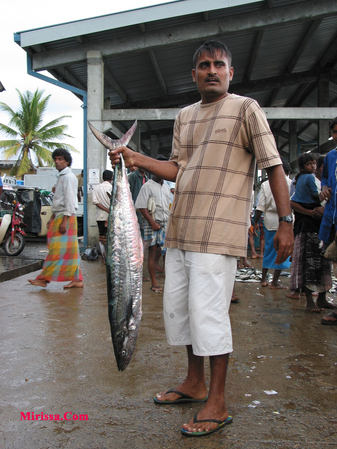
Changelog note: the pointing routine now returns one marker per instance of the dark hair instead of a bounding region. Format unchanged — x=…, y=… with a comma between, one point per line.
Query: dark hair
x=107, y=175
x=61, y=152
x=333, y=123
x=211, y=48
x=301, y=161
x=320, y=160
x=286, y=166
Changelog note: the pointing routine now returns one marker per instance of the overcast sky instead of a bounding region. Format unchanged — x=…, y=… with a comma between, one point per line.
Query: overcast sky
x=22, y=15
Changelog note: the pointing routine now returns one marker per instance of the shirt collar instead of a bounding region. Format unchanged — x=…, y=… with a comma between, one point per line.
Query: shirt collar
x=64, y=171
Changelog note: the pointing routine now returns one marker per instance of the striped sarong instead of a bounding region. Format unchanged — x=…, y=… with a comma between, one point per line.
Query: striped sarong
x=63, y=260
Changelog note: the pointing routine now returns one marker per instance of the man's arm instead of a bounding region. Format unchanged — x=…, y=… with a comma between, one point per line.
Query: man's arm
x=284, y=237
x=162, y=169
x=145, y=213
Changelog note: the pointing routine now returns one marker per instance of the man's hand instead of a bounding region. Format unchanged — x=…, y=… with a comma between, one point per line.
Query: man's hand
x=63, y=225
x=128, y=156
x=284, y=242
x=325, y=194
x=155, y=226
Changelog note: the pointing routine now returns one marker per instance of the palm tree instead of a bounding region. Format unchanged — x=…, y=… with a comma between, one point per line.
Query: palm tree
x=32, y=143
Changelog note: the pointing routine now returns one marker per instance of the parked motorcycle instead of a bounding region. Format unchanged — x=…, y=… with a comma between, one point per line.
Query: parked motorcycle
x=11, y=233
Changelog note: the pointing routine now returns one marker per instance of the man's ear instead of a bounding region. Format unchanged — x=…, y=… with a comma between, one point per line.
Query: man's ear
x=193, y=75
x=231, y=73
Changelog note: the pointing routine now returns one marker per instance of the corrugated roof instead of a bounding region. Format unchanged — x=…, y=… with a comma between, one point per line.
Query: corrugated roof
x=280, y=49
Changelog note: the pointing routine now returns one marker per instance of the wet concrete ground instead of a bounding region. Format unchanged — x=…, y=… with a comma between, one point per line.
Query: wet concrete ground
x=57, y=357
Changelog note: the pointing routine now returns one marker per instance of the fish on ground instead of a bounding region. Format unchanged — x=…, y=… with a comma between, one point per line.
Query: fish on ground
x=124, y=259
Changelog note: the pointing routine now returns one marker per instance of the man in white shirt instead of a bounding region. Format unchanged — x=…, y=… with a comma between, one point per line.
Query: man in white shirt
x=101, y=198
x=154, y=225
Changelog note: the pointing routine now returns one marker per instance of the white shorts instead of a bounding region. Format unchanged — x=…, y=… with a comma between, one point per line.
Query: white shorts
x=197, y=296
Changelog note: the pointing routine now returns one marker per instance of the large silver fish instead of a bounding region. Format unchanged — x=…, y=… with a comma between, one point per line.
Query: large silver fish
x=124, y=261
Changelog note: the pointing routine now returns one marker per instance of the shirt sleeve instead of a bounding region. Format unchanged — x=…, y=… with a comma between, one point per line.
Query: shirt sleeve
x=261, y=205
x=70, y=184
x=312, y=186
x=94, y=196
x=142, y=198
x=261, y=138
x=325, y=173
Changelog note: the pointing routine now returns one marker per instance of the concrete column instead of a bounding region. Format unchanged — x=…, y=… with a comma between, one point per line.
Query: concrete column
x=96, y=162
x=293, y=143
x=323, y=101
x=154, y=146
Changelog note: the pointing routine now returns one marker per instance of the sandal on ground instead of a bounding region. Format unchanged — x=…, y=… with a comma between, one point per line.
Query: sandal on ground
x=183, y=398
x=206, y=432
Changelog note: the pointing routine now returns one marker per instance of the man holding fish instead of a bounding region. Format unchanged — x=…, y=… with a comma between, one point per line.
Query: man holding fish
x=215, y=146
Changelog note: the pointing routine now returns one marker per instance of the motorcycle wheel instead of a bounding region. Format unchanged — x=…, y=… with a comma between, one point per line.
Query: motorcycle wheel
x=15, y=248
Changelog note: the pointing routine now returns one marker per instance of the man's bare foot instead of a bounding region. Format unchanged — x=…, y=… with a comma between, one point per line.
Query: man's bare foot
x=293, y=295
x=277, y=286
x=74, y=284
x=257, y=256
x=264, y=284
x=156, y=288
x=313, y=309
x=196, y=393
x=38, y=282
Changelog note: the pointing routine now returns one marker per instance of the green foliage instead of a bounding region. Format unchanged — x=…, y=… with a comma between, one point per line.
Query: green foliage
x=31, y=143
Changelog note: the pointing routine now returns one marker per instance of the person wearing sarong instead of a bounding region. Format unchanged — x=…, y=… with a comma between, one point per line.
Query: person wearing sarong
x=62, y=263
x=309, y=271
x=267, y=206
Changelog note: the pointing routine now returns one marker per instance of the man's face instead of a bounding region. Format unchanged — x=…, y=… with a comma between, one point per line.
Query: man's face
x=212, y=75
x=334, y=134
x=60, y=163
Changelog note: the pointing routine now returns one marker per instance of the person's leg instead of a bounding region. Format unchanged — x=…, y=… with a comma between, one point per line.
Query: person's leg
x=323, y=303
x=194, y=384
x=311, y=306
x=159, y=268
x=264, y=281
x=215, y=407
x=252, y=246
x=275, y=283
x=152, y=269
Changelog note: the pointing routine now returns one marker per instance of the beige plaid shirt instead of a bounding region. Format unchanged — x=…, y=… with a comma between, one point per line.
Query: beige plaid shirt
x=216, y=146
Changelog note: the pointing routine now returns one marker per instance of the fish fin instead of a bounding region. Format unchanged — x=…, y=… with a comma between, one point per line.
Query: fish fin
x=109, y=143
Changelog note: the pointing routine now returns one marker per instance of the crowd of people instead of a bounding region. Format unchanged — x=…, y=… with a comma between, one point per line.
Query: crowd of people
x=312, y=199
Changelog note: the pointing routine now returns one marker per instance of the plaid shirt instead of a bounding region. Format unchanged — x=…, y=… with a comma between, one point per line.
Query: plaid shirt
x=215, y=146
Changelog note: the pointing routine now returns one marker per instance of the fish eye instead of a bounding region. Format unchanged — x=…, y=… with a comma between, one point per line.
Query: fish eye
x=123, y=353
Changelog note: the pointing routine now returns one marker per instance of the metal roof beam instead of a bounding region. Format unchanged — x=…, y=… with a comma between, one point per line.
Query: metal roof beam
x=190, y=32
x=113, y=83
x=171, y=113
x=158, y=71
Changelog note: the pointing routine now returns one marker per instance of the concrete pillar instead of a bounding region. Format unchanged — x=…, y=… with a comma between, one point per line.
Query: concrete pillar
x=293, y=143
x=323, y=101
x=154, y=146
x=96, y=162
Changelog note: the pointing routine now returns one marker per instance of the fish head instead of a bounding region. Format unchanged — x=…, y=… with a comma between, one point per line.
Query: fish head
x=125, y=351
